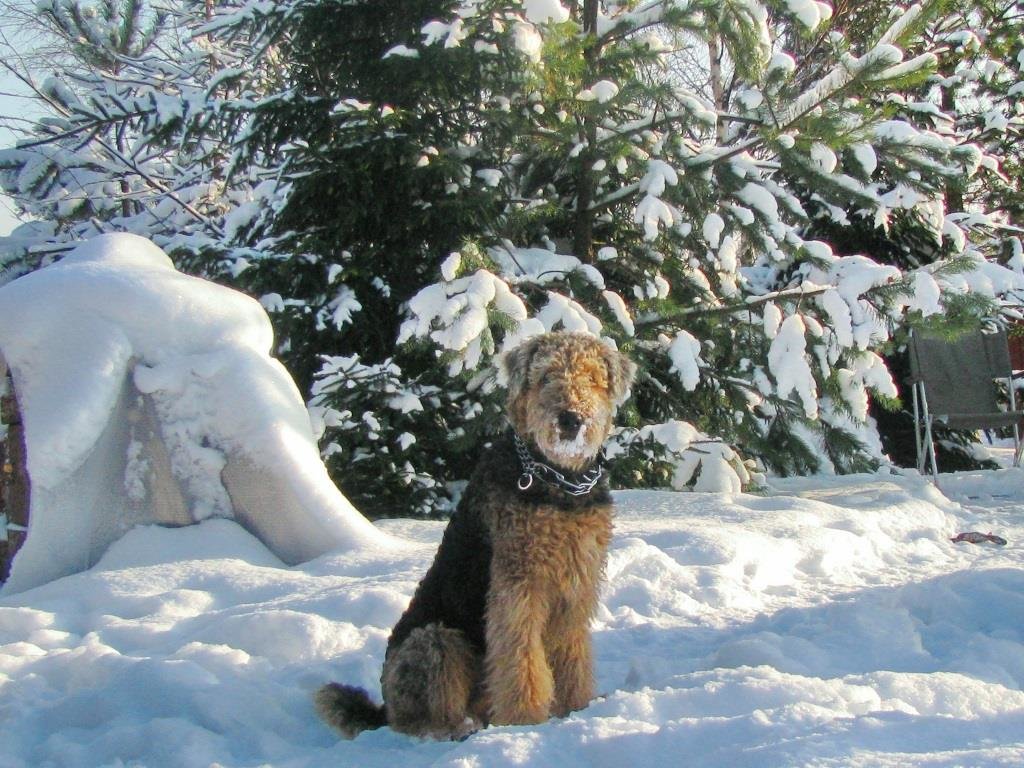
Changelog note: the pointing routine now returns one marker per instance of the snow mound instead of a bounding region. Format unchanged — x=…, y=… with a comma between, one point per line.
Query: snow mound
x=149, y=396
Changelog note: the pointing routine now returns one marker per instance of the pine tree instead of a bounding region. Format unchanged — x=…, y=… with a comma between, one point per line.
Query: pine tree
x=563, y=167
x=134, y=134
x=673, y=222
x=960, y=98
x=752, y=200
x=364, y=222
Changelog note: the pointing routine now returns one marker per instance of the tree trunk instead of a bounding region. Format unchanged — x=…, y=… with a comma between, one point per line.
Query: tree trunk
x=14, y=481
x=586, y=180
x=954, y=190
x=126, y=189
x=717, y=87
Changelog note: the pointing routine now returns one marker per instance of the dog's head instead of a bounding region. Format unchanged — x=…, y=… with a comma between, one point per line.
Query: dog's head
x=563, y=389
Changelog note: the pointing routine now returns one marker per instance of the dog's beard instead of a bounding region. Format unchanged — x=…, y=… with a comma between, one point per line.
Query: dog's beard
x=570, y=451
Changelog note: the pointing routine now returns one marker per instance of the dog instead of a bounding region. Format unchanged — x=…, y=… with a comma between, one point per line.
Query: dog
x=497, y=631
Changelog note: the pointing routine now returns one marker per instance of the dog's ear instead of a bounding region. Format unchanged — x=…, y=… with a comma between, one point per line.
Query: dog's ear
x=516, y=365
x=621, y=371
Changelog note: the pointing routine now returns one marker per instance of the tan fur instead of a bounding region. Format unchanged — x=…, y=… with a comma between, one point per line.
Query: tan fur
x=566, y=372
x=545, y=579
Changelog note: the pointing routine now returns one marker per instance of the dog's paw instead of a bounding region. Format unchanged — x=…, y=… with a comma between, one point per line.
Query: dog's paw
x=522, y=715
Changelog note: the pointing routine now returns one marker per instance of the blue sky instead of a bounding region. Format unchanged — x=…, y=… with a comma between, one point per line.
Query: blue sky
x=9, y=106
x=14, y=106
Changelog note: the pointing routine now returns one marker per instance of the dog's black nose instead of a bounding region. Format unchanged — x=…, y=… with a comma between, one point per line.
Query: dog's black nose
x=569, y=421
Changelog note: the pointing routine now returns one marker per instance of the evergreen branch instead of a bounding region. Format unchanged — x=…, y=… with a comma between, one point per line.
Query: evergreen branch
x=646, y=124
x=626, y=28
x=726, y=117
x=740, y=306
x=58, y=137
x=705, y=160
x=611, y=199
x=160, y=187
x=37, y=90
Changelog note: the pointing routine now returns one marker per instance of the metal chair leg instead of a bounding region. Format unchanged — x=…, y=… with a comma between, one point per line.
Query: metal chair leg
x=929, y=439
x=918, y=438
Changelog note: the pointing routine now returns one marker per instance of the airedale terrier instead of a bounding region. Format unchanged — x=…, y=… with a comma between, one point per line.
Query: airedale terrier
x=498, y=629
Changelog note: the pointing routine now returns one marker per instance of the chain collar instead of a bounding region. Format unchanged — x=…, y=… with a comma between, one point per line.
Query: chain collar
x=538, y=469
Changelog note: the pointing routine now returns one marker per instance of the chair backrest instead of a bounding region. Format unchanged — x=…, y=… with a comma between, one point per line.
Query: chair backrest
x=959, y=375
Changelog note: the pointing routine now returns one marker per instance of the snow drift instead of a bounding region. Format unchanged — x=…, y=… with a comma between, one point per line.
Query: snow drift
x=830, y=623
x=149, y=396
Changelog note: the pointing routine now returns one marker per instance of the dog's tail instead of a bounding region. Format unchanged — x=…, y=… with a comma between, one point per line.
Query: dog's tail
x=349, y=709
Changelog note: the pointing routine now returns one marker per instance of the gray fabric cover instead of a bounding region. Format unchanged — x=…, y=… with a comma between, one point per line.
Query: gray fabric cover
x=959, y=378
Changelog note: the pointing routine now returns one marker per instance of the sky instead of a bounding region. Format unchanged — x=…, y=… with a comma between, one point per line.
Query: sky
x=12, y=105
x=8, y=217
x=8, y=106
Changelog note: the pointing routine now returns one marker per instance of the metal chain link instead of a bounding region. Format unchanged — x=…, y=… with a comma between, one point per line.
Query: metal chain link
x=537, y=469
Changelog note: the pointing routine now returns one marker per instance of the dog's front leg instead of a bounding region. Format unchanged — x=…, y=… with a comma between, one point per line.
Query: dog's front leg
x=572, y=662
x=519, y=681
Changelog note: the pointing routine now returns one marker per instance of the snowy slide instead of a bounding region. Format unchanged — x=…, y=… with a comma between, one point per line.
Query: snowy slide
x=150, y=397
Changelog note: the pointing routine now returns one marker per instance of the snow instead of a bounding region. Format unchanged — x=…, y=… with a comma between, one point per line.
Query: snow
x=562, y=313
x=757, y=197
x=926, y=294
x=684, y=352
x=527, y=40
x=772, y=319
x=401, y=50
x=712, y=229
x=455, y=314
x=839, y=315
x=824, y=157
x=604, y=91
x=789, y=366
x=866, y=157
x=781, y=62
x=809, y=12
x=652, y=212
x=541, y=266
x=111, y=346
x=618, y=308
x=659, y=174
x=706, y=463
x=828, y=621
x=728, y=254
x=822, y=621
x=343, y=306
x=450, y=266
x=541, y=11
x=452, y=34
x=491, y=177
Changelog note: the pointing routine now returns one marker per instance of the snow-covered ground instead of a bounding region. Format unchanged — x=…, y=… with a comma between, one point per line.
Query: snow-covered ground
x=826, y=622
x=829, y=622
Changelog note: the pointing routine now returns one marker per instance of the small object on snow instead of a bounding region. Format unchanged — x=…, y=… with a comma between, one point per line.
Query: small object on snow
x=974, y=537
